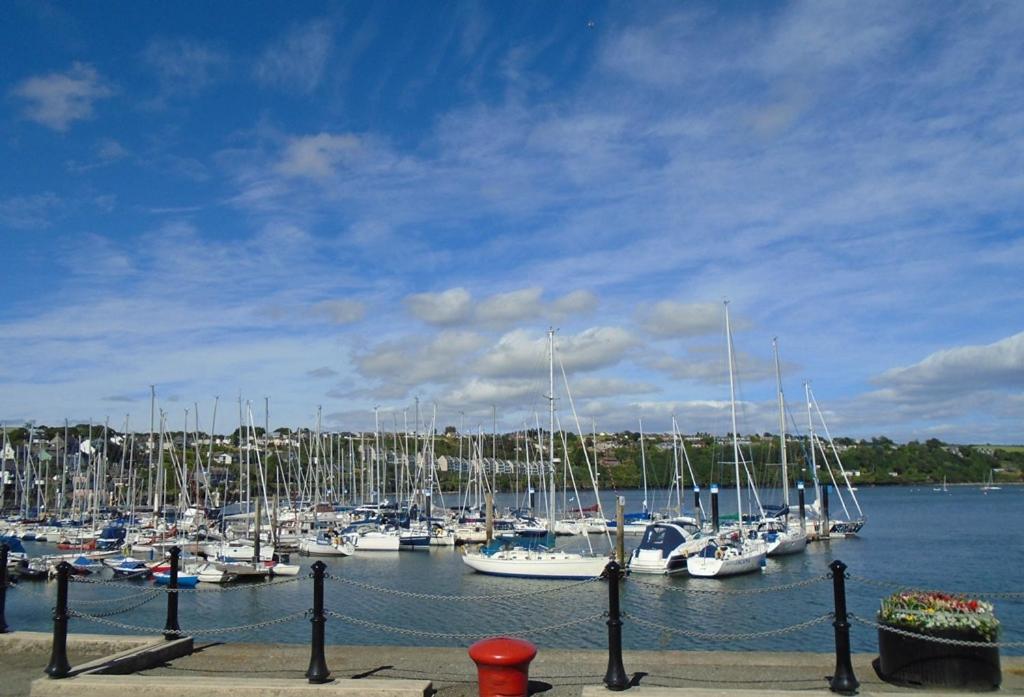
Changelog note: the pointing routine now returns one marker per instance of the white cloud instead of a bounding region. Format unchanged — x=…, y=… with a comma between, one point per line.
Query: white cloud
x=504, y=309
x=449, y=307
x=296, y=62
x=414, y=361
x=959, y=371
x=669, y=318
x=316, y=156
x=523, y=354
x=58, y=99
x=578, y=302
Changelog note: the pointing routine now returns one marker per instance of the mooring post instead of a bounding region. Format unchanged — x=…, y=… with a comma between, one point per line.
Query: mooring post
x=803, y=506
x=59, y=666
x=843, y=680
x=317, y=672
x=4, y=549
x=714, y=506
x=620, y=529
x=615, y=677
x=825, y=525
x=171, y=628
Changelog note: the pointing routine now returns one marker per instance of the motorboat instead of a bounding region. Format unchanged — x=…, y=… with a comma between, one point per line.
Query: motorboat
x=665, y=547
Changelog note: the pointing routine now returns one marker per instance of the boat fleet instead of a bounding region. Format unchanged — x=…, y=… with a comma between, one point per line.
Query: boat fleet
x=125, y=524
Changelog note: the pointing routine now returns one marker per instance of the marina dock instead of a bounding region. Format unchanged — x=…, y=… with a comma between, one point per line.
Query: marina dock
x=450, y=672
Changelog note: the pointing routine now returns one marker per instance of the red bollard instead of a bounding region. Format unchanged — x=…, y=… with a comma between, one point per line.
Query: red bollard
x=503, y=666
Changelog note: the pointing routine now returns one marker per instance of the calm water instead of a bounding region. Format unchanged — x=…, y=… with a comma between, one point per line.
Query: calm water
x=960, y=541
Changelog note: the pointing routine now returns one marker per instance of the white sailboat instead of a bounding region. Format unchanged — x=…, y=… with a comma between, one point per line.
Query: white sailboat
x=990, y=485
x=325, y=545
x=779, y=536
x=735, y=553
x=837, y=528
x=539, y=562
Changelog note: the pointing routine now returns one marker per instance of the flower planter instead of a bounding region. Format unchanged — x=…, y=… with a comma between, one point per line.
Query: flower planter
x=920, y=660
x=912, y=662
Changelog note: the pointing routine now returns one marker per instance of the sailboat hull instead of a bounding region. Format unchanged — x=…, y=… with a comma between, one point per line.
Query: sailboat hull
x=748, y=559
x=523, y=563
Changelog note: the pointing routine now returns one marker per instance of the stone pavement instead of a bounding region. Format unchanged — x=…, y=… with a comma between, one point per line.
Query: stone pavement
x=554, y=673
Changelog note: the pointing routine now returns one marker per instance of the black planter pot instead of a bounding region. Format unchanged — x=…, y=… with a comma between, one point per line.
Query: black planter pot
x=912, y=662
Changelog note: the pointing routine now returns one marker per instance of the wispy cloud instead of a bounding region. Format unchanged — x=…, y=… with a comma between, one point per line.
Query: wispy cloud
x=184, y=66
x=28, y=212
x=297, y=60
x=56, y=100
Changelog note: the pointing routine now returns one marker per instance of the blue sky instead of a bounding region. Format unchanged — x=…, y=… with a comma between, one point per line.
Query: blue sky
x=350, y=205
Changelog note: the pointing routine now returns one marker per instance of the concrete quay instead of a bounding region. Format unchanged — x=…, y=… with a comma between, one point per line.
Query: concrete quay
x=395, y=671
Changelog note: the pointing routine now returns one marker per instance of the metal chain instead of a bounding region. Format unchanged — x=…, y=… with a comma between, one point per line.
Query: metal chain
x=1001, y=595
x=218, y=589
x=732, y=591
x=150, y=596
x=936, y=639
x=457, y=635
x=99, y=619
x=730, y=637
x=435, y=596
x=102, y=601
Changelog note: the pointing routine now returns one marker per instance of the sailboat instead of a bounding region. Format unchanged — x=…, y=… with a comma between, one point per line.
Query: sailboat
x=835, y=528
x=944, y=489
x=990, y=485
x=540, y=562
x=779, y=536
x=734, y=553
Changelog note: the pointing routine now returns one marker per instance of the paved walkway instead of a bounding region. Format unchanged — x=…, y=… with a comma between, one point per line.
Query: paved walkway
x=554, y=673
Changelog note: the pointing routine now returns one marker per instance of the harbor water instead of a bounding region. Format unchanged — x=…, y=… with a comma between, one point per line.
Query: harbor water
x=962, y=540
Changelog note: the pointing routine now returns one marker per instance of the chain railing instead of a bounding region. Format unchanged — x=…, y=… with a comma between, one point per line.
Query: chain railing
x=843, y=680
x=731, y=591
x=898, y=586
x=462, y=635
x=195, y=631
x=731, y=636
x=936, y=639
x=456, y=597
x=262, y=585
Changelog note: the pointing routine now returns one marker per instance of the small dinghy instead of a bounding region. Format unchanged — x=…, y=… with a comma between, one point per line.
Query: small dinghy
x=129, y=567
x=85, y=565
x=163, y=578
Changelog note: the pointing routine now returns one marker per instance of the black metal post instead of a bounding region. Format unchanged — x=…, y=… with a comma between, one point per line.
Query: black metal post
x=843, y=681
x=696, y=503
x=615, y=677
x=171, y=628
x=4, y=549
x=426, y=504
x=803, y=507
x=59, y=666
x=714, y=506
x=317, y=672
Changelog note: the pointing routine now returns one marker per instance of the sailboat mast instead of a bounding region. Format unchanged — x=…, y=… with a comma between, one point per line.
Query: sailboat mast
x=782, y=423
x=551, y=430
x=735, y=436
x=643, y=467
